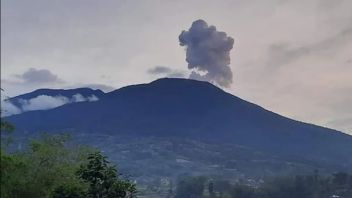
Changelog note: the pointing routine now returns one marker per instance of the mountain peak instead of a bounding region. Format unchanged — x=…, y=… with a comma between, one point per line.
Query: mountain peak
x=181, y=82
x=177, y=80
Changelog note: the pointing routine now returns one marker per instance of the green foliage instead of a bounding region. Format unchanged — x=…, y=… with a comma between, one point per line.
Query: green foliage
x=103, y=179
x=69, y=191
x=52, y=166
x=36, y=172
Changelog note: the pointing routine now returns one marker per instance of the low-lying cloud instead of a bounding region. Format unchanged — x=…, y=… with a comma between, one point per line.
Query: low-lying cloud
x=42, y=102
x=7, y=108
x=208, y=53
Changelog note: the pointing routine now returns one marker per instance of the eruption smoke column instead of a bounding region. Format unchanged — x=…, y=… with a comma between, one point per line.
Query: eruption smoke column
x=208, y=50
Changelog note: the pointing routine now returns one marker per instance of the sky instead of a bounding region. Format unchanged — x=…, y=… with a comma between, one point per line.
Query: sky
x=293, y=57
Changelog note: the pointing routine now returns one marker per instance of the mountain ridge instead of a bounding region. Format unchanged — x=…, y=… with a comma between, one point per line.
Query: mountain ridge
x=194, y=110
x=87, y=90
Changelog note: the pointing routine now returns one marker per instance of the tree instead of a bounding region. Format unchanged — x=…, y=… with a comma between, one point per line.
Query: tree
x=46, y=164
x=103, y=180
x=52, y=167
x=69, y=191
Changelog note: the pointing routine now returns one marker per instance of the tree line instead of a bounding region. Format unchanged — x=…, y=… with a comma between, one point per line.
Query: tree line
x=338, y=185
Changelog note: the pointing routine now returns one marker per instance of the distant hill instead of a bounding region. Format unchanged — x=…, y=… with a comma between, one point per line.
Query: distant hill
x=198, y=115
x=69, y=93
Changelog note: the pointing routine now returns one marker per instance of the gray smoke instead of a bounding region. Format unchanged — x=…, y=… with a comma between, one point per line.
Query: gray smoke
x=208, y=53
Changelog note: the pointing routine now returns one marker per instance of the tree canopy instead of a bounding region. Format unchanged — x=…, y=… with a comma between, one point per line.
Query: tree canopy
x=53, y=166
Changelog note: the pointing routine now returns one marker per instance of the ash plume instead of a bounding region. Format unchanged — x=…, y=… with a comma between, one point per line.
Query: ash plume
x=208, y=53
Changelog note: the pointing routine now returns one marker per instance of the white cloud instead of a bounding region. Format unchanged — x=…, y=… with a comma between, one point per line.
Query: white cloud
x=7, y=108
x=92, y=98
x=42, y=102
x=78, y=98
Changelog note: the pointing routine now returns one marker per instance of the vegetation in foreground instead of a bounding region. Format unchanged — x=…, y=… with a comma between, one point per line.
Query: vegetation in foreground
x=51, y=167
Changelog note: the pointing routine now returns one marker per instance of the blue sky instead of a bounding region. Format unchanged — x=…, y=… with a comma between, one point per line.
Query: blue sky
x=292, y=57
